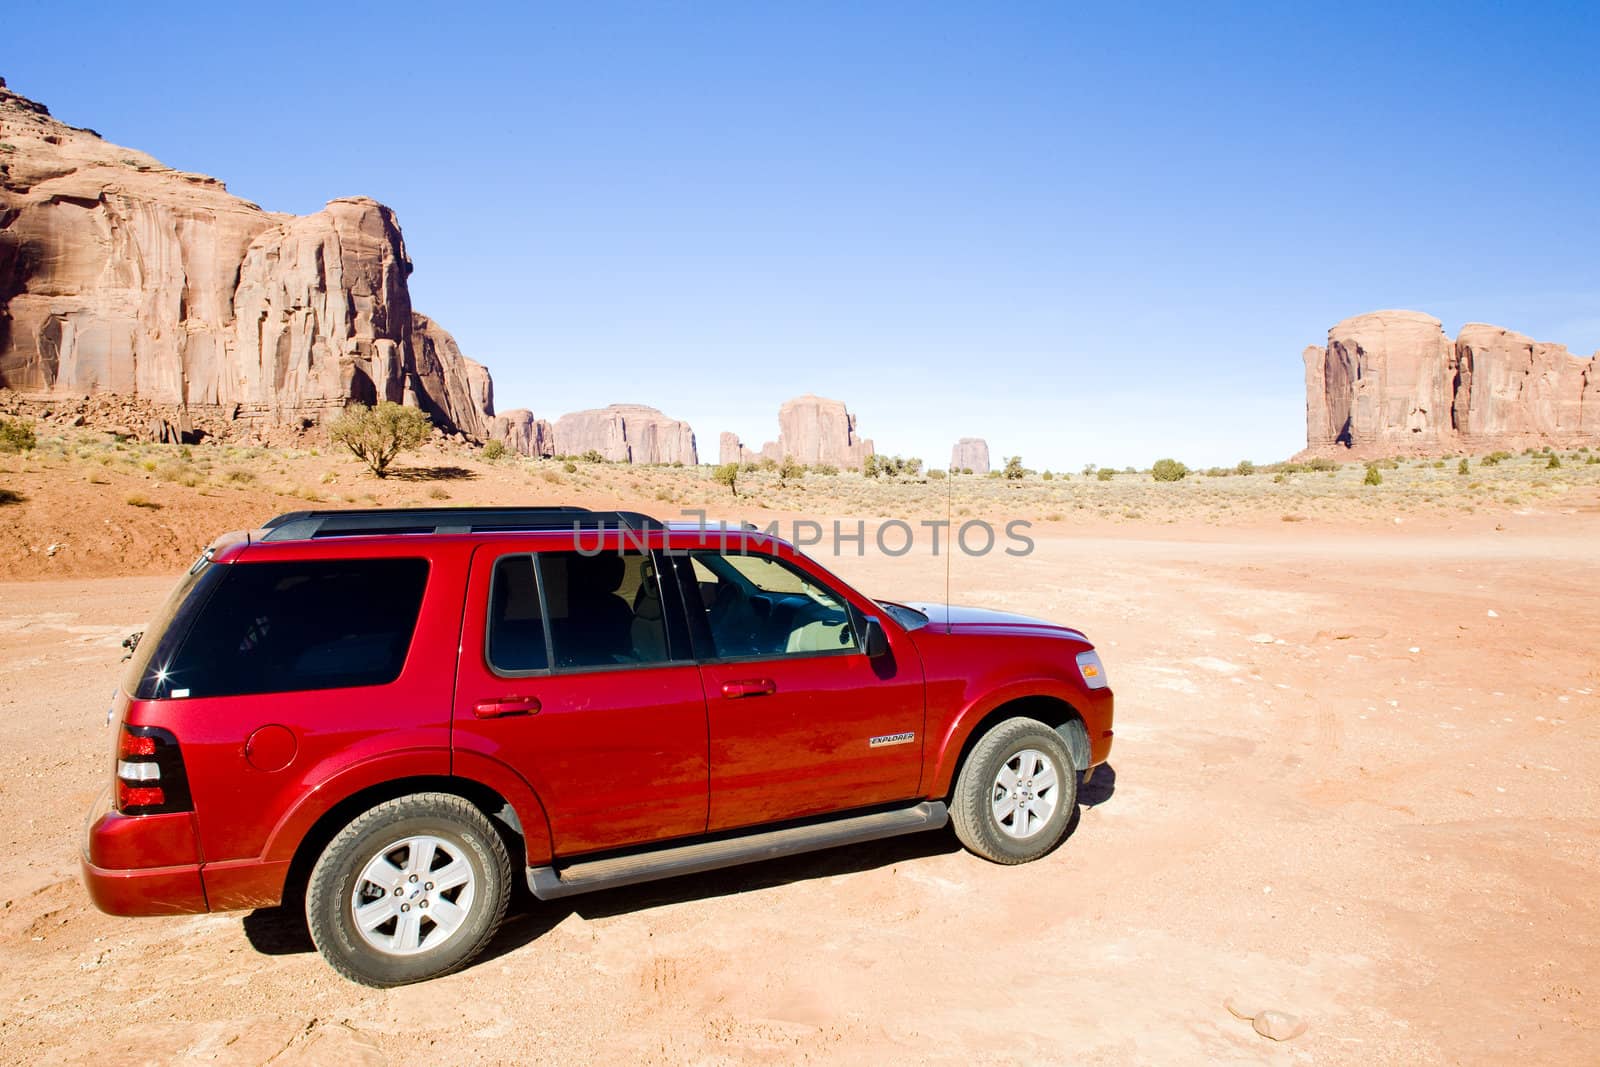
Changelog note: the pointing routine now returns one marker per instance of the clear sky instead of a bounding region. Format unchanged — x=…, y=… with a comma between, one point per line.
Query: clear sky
x=1084, y=233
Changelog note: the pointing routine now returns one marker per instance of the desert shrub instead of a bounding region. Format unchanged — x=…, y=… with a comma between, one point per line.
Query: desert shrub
x=1218, y=472
x=790, y=470
x=936, y=474
x=826, y=469
x=1463, y=467
x=139, y=500
x=1168, y=470
x=728, y=474
x=494, y=450
x=750, y=467
x=767, y=463
x=1294, y=518
x=568, y=466
x=1088, y=469
x=1280, y=478
x=239, y=476
x=870, y=467
x=1322, y=463
x=378, y=434
x=17, y=436
x=1245, y=467
x=1555, y=462
x=1105, y=474
x=177, y=471
x=1047, y=476
x=593, y=456
x=1014, y=470
x=1373, y=476
x=1495, y=458
x=966, y=470
x=438, y=493
x=1590, y=460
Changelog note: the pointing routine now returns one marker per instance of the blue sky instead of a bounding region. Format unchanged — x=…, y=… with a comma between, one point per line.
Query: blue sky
x=1087, y=235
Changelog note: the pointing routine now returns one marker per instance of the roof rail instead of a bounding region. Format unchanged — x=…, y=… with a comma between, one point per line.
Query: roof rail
x=304, y=525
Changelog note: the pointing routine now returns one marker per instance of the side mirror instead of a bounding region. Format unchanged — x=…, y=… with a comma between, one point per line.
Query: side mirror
x=877, y=642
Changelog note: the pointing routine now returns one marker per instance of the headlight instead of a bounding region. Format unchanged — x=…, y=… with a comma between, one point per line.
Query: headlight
x=1094, y=674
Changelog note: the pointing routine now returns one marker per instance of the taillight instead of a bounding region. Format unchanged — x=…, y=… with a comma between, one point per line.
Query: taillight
x=150, y=775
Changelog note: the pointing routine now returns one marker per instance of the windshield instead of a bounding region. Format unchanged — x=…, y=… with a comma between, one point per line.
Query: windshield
x=910, y=618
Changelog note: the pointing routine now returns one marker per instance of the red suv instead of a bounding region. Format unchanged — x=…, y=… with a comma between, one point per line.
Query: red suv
x=386, y=712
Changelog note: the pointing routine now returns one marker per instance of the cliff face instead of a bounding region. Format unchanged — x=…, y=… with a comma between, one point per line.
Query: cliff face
x=811, y=429
x=121, y=275
x=1392, y=382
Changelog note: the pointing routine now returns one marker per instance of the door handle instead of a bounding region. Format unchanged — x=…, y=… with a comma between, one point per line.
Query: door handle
x=495, y=709
x=755, y=687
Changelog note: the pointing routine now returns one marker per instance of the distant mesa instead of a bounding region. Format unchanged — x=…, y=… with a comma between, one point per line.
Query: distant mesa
x=970, y=453
x=121, y=275
x=812, y=430
x=1392, y=383
x=621, y=433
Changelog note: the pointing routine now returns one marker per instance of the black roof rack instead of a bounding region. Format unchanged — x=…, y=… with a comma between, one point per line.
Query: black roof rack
x=303, y=525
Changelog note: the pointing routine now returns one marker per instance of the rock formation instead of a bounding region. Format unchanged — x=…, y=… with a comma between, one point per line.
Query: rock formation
x=121, y=275
x=621, y=433
x=970, y=453
x=812, y=429
x=521, y=432
x=1392, y=382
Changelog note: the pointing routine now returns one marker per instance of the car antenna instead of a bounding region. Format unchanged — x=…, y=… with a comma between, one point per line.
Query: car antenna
x=950, y=541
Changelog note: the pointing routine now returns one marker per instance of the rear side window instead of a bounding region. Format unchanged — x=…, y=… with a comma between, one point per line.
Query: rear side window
x=280, y=627
x=600, y=610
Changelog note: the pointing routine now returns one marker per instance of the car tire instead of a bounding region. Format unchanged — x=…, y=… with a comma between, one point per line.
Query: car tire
x=410, y=890
x=1016, y=792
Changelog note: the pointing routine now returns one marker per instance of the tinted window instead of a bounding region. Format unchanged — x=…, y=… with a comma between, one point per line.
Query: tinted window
x=516, y=624
x=276, y=627
x=604, y=609
x=762, y=606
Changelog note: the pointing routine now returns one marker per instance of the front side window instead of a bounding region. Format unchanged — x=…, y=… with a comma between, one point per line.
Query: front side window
x=280, y=627
x=600, y=611
x=762, y=606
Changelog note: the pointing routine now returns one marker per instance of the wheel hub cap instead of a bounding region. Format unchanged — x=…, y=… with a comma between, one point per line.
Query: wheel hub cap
x=1025, y=793
x=413, y=896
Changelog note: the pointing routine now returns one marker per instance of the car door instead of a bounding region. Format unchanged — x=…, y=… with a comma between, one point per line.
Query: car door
x=571, y=675
x=802, y=721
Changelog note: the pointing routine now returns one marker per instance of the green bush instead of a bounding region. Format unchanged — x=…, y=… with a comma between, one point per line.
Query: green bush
x=1014, y=470
x=1245, y=467
x=17, y=436
x=1463, y=467
x=569, y=466
x=1105, y=474
x=593, y=456
x=790, y=470
x=1373, y=476
x=1495, y=458
x=728, y=474
x=378, y=434
x=936, y=474
x=1322, y=463
x=494, y=450
x=825, y=469
x=1047, y=476
x=1168, y=470
x=1555, y=462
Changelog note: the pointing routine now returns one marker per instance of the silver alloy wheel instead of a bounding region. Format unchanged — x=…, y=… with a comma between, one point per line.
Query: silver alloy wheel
x=1025, y=793
x=413, y=896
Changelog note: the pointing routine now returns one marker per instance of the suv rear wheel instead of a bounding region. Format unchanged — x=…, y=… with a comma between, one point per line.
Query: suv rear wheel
x=1016, y=792
x=411, y=889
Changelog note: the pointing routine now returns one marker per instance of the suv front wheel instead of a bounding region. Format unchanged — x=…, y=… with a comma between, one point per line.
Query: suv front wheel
x=411, y=889
x=1016, y=792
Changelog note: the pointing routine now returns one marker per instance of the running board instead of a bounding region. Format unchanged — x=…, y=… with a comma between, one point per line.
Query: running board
x=548, y=883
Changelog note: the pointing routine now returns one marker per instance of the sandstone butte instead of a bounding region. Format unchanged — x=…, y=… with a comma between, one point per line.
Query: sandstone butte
x=970, y=453
x=812, y=430
x=121, y=275
x=1392, y=383
x=621, y=433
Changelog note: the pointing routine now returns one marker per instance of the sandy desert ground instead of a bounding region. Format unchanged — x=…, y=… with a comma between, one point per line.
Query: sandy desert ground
x=1355, y=779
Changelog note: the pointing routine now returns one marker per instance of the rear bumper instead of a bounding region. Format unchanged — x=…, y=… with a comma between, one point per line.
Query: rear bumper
x=141, y=864
x=147, y=891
